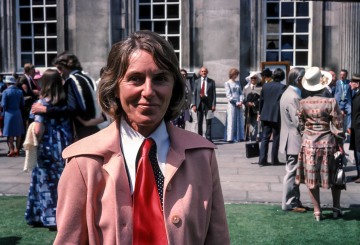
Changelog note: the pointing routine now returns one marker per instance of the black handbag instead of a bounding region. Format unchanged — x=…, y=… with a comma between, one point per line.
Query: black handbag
x=339, y=178
x=252, y=149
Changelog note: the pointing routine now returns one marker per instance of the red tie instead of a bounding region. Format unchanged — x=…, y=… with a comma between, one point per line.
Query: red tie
x=149, y=224
x=202, y=92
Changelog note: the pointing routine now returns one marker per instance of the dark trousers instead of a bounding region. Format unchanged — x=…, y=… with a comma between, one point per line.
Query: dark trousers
x=201, y=113
x=268, y=128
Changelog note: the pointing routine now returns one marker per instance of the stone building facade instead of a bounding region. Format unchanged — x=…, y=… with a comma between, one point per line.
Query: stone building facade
x=215, y=33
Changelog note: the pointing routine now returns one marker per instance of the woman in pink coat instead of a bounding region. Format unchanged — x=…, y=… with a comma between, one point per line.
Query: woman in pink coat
x=107, y=194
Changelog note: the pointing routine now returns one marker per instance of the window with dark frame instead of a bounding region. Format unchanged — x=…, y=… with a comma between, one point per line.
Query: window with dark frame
x=162, y=17
x=287, y=32
x=37, y=36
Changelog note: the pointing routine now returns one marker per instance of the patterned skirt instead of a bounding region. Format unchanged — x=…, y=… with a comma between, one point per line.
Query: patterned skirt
x=316, y=167
x=42, y=197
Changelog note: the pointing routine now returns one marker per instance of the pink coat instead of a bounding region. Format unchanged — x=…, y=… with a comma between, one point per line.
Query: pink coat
x=95, y=202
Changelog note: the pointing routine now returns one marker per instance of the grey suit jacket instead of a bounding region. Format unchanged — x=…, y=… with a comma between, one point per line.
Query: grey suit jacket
x=290, y=138
x=210, y=100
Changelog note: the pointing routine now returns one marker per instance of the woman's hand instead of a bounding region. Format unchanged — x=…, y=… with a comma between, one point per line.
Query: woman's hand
x=38, y=108
x=341, y=149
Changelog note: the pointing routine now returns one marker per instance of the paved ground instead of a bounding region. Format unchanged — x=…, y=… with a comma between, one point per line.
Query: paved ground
x=242, y=181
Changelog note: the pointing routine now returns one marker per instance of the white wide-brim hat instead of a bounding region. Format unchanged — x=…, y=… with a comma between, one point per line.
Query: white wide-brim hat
x=10, y=79
x=254, y=73
x=316, y=80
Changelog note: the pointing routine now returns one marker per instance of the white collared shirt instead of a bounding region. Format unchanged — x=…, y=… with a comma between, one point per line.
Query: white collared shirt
x=131, y=142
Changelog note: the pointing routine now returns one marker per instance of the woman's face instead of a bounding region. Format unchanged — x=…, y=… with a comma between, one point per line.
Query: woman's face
x=234, y=77
x=145, y=93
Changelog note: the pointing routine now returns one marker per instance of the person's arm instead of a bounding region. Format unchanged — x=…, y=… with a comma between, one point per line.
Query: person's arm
x=39, y=129
x=261, y=101
x=65, y=110
x=218, y=231
x=71, y=206
x=300, y=114
x=25, y=88
x=51, y=110
x=213, y=108
x=188, y=94
x=244, y=99
x=337, y=124
x=228, y=93
x=92, y=121
x=291, y=112
x=194, y=97
x=3, y=101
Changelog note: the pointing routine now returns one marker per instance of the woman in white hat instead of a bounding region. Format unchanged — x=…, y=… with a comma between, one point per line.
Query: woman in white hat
x=251, y=99
x=12, y=102
x=319, y=141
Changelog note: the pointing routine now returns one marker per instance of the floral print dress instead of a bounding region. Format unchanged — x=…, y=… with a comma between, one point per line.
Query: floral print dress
x=42, y=196
x=320, y=123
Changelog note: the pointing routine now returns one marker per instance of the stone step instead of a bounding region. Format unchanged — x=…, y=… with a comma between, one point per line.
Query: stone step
x=221, y=100
x=220, y=92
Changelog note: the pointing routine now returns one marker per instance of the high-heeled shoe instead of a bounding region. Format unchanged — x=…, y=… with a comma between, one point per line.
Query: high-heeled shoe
x=11, y=154
x=337, y=212
x=318, y=216
x=16, y=153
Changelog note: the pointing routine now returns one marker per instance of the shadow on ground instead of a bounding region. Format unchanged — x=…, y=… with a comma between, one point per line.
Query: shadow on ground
x=11, y=240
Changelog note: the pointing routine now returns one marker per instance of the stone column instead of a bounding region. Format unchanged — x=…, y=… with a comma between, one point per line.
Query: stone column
x=8, y=56
x=349, y=14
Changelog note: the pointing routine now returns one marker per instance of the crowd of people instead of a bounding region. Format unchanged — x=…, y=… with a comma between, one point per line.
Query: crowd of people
x=308, y=120
x=42, y=114
x=145, y=161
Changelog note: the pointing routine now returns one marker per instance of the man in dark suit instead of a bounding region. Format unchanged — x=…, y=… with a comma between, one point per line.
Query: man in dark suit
x=30, y=91
x=204, y=101
x=270, y=116
x=355, y=121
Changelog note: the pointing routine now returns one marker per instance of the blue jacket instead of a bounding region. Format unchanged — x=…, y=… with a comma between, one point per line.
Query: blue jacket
x=338, y=91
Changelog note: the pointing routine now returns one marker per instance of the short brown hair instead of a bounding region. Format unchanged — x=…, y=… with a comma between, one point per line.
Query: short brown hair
x=118, y=63
x=69, y=61
x=233, y=72
x=28, y=67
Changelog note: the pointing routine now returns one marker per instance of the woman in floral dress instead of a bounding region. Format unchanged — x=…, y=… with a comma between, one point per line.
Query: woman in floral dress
x=320, y=123
x=53, y=134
